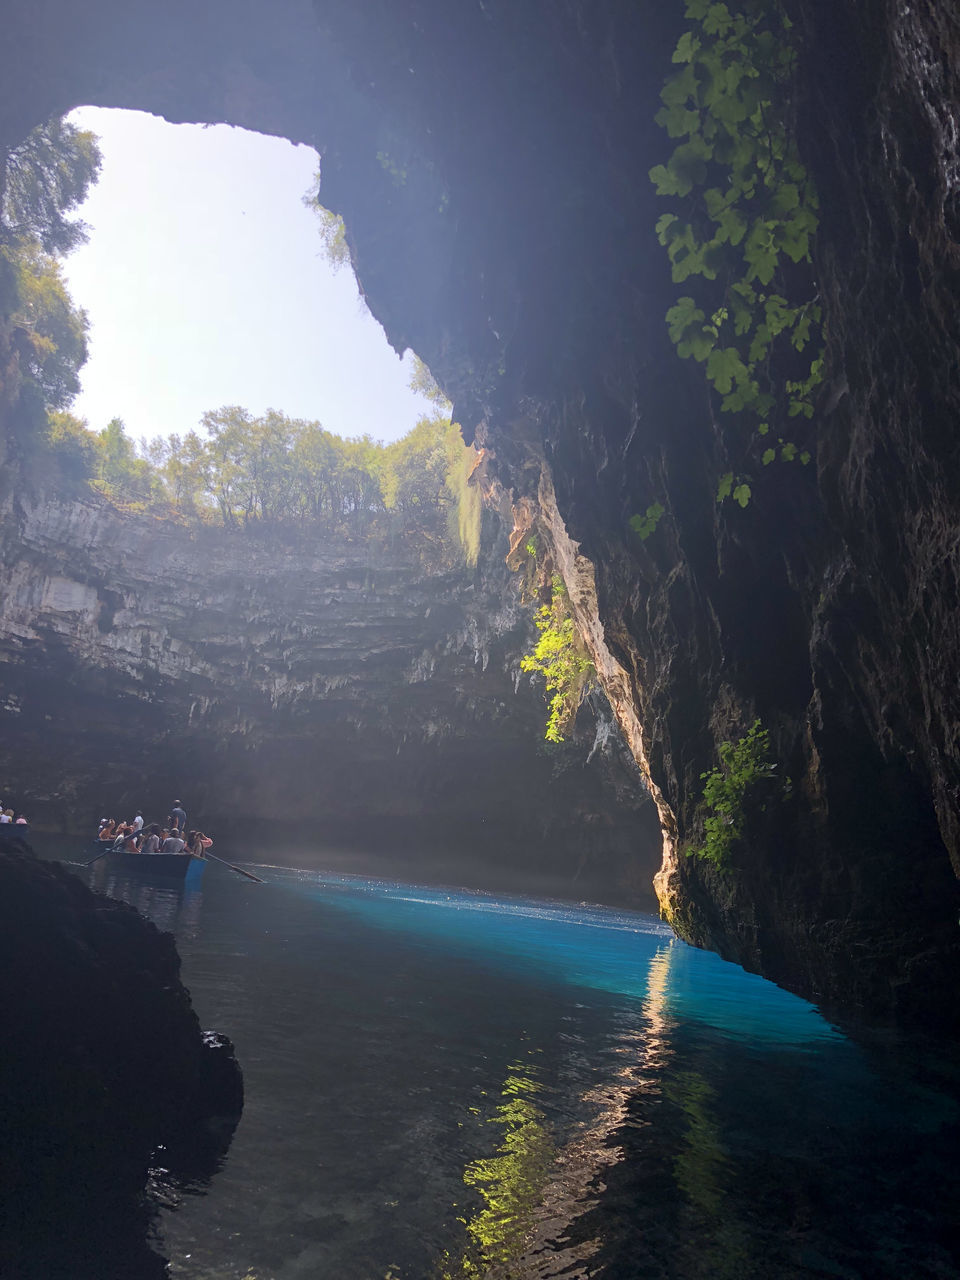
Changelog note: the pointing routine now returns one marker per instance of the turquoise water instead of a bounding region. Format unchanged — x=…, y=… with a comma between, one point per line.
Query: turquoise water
x=442, y=1083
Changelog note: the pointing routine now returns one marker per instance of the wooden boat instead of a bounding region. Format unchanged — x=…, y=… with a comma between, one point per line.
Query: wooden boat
x=165, y=866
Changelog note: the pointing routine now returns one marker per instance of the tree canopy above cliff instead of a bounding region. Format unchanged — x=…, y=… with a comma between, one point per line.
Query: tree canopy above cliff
x=235, y=468
x=241, y=470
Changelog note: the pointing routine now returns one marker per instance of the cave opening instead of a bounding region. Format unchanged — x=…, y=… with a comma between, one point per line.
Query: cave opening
x=300, y=647
x=207, y=281
x=474, y=148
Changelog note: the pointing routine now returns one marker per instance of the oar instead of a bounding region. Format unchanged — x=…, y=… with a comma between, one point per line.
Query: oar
x=238, y=870
x=108, y=849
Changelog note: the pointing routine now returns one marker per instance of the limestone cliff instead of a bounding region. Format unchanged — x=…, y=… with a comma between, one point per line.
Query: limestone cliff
x=490, y=160
x=297, y=691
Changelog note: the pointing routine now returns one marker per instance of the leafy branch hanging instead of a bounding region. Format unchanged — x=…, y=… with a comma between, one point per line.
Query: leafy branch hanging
x=745, y=215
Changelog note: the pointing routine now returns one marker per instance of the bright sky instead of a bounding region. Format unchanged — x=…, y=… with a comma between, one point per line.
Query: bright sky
x=205, y=283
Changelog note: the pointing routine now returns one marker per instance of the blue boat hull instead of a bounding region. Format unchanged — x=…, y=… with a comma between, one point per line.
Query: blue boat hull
x=150, y=866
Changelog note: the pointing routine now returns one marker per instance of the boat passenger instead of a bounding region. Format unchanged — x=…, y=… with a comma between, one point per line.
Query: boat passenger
x=151, y=840
x=138, y=821
x=108, y=831
x=172, y=844
x=198, y=844
x=6, y=816
x=177, y=817
x=131, y=843
x=21, y=821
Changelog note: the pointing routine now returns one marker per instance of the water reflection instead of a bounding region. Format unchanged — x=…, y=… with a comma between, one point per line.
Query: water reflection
x=442, y=1083
x=510, y=1183
x=533, y=1189
x=105, y=1064
x=174, y=907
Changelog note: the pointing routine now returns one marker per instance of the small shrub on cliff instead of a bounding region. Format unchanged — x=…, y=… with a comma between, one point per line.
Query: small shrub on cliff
x=559, y=656
x=742, y=766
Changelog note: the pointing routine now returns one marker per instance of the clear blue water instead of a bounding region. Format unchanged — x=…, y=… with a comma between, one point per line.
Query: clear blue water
x=443, y=1083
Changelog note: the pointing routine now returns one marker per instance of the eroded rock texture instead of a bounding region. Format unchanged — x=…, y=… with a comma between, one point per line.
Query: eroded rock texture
x=490, y=160
x=298, y=693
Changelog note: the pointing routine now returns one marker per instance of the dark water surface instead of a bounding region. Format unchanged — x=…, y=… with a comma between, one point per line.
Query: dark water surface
x=442, y=1083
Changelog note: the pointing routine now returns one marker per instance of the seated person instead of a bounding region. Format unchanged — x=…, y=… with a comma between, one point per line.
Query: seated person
x=131, y=843
x=108, y=831
x=151, y=839
x=172, y=844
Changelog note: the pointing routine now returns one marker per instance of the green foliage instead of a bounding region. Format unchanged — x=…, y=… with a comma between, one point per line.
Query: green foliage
x=42, y=333
x=646, y=524
x=333, y=232
x=43, y=178
x=745, y=215
x=560, y=657
x=467, y=513
x=48, y=332
x=75, y=447
x=425, y=384
x=742, y=765
x=281, y=471
x=119, y=468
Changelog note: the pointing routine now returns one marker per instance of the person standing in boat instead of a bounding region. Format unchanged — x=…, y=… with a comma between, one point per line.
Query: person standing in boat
x=177, y=817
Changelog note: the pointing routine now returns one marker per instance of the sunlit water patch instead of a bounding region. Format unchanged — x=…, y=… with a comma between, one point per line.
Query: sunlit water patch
x=443, y=1084
x=581, y=945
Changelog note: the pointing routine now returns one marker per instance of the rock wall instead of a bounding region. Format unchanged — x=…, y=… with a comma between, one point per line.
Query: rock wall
x=297, y=693
x=490, y=160
x=104, y=1062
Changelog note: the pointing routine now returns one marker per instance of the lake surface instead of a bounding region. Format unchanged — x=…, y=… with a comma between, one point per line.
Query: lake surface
x=449, y=1084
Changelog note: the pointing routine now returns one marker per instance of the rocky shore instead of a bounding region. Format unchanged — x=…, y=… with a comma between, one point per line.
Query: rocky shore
x=106, y=1078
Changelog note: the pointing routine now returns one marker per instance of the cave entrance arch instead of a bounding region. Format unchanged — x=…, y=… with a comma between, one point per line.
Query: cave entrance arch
x=282, y=69
x=457, y=150
x=207, y=284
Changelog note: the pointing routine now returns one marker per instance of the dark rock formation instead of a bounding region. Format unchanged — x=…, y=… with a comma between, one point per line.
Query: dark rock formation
x=103, y=1062
x=509, y=240
x=298, y=693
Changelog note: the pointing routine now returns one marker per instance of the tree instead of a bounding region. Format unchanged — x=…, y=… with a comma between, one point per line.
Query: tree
x=42, y=333
x=333, y=232
x=425, y=384
x=120, y=469
x=48, y=332
x=76, y=446
x=42, y=179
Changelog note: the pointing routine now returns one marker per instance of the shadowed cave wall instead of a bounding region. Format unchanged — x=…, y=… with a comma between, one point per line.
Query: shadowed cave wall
x=490, y=160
